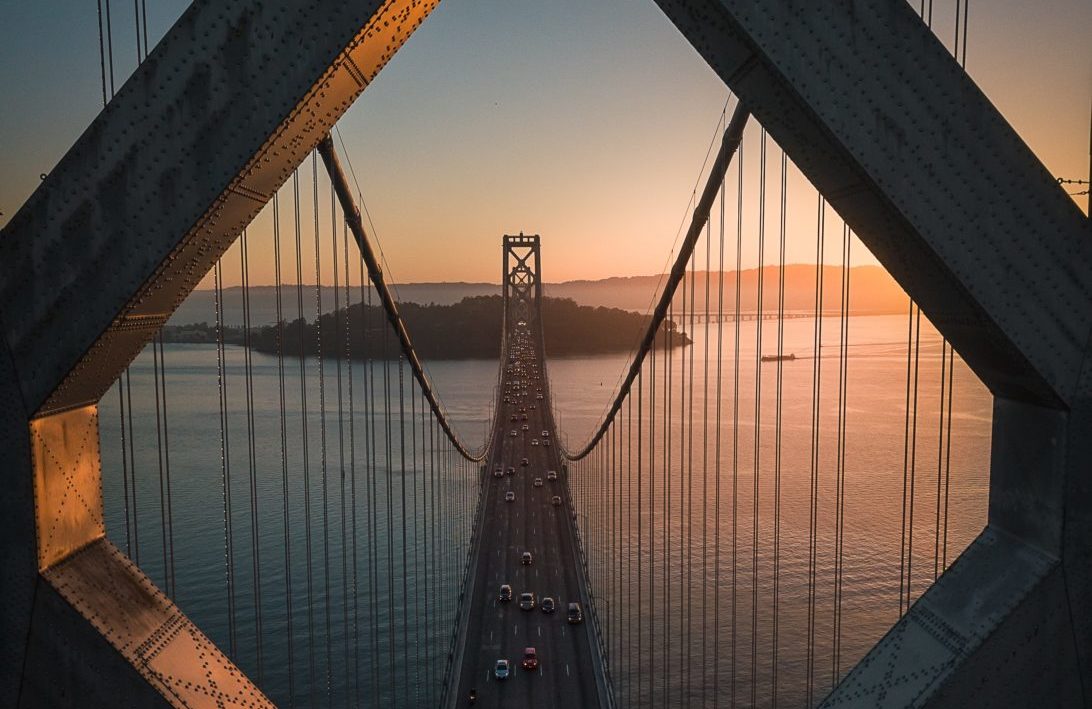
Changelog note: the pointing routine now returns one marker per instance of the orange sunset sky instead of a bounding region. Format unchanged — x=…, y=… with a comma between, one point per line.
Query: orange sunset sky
x=585, y=122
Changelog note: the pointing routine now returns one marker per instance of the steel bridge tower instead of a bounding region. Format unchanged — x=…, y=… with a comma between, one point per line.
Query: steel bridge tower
x=522, y=284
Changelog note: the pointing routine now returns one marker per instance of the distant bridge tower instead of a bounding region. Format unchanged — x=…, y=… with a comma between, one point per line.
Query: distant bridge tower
x=522, y=284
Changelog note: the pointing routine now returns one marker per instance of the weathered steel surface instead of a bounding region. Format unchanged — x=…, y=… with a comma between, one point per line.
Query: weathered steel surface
x=162, y=182
x=67, y=483
x=896, y=136
x=195, y=143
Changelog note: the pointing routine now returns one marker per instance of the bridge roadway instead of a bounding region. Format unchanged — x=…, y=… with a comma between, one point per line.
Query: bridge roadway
x=565, y=676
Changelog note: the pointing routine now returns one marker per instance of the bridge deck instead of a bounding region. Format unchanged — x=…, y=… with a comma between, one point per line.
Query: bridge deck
x=565, y=676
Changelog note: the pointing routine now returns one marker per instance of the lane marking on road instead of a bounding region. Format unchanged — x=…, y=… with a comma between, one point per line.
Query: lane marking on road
x=566, y=670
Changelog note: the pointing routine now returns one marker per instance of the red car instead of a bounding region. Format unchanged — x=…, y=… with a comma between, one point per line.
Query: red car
x=530, y=658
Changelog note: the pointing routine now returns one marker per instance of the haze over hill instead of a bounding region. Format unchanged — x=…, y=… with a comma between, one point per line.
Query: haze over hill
x=872, y=291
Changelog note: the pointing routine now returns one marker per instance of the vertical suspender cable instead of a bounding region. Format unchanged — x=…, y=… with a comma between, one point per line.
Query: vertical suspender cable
x=129, y=546
x=668, y=463
x=353, y=536
x=913, y=458
x=906, y=457
x=689, y=517
x=652, y=523
x=416, y=562
x=640, y=530
x=405, y=538
x=159, y=458
x=393, y=676
x=758, y=412
x=716, y=455
x=940, y=455
x=322, y=422
x=371, y=436
x=128, y=412
x=735, y=427
x=303, y=439
x=225, y=456
x=840, y=485
x=627, y=549
x=778, y=432
x=340, y=316
x=252, y=451
x=287, y=540
x=813, y=495
x=948, y=458
x=110, y=49
x=705, y=464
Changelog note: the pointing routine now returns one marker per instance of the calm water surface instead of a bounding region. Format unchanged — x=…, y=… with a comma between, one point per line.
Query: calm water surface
x=374, y=622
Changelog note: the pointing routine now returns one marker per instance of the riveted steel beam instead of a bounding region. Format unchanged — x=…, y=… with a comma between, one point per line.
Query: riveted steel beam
x=892, y=131
x=162, y=182
x=184, y=156
x=900, y=141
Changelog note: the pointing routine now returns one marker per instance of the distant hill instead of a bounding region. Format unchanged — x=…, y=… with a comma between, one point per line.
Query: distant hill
x=469, y=329
x=872, y=291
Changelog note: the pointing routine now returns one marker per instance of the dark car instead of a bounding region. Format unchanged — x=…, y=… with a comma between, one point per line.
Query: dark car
x=575, y=614
x=548, y=605
x=530, y=658
x=505, y=593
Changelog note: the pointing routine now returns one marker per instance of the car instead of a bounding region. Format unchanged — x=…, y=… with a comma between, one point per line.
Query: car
x=555, y=500
x=498, y=473
x=548, y=605
x=527, y=601
x=530, y=658
x=575, y=614
x=546, y=442
x=526, y=559
x=524, y=462
x=510, y=471
x=510, y=496
x=534, y=441
x=523, y=418
x=501, y=670
x=538, y=482
x=545, y=434
x=524, y=427
x=539, y=397
x=505, y=593
x=513, y=434
x=514, y=417
x=551, y=475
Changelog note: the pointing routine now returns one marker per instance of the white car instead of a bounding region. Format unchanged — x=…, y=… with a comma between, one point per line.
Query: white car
x=551, y=475
x=538, y=482
x=545, y=434
x=513, y=434
x=510, y=496
x=501, y=671
x=534, y=441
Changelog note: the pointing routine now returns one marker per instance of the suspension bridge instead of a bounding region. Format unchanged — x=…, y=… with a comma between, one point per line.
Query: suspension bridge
x=220, y=525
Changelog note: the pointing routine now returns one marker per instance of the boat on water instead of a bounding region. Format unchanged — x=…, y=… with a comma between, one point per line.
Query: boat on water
x=779, y=358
